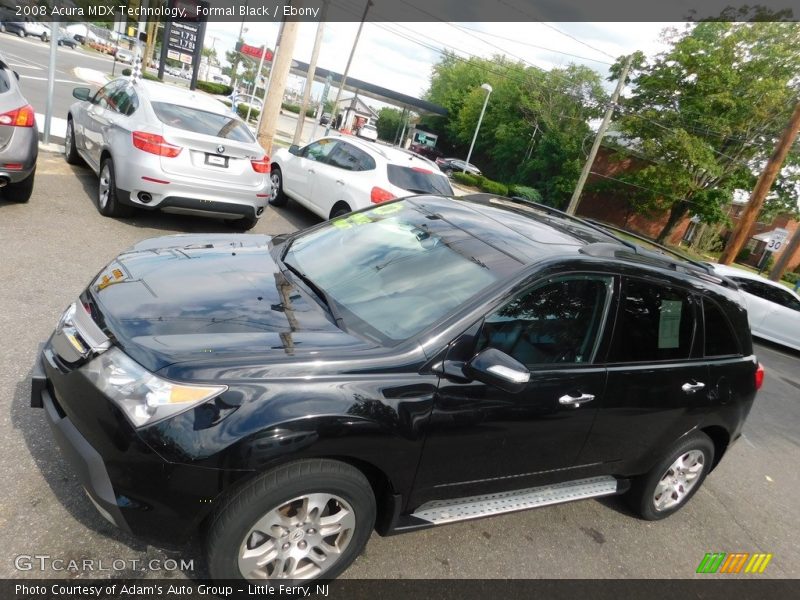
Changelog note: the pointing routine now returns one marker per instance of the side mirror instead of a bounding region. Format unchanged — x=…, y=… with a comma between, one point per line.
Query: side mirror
x=82, y=93
x=496, y=368
x=294, y=149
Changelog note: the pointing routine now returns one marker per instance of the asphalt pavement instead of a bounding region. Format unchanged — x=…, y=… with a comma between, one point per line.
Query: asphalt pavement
x=30, y=58
x=52, y=246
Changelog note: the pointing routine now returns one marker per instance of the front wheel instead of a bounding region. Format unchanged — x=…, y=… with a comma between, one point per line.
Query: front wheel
x=70, y=151
x=20, y=33
x=673, y=481
x=305, y=520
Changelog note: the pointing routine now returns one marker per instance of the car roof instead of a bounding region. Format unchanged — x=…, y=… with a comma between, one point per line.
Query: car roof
x=392, y=154
x=162, y=92
x=730, y=271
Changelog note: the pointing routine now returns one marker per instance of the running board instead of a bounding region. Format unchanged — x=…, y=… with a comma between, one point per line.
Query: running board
x=439, y=512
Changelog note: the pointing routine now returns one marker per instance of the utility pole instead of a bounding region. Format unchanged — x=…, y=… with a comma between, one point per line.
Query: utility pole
x=281, y=63
x=347, y=68
x=576, y=194
x=312, y=69
x=756, y=201
x=783, y=262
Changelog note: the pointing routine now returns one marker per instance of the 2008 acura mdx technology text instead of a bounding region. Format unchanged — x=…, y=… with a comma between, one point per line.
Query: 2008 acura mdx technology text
x=420, y=362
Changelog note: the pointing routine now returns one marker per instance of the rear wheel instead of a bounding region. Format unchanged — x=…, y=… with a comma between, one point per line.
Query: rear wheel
x=339, y=209
x=44, y=37
x=70, y=152
x=22, y=190
x=277, y=197
x=673, y=481
x=302, y=521
x=107, y=202
x=20, y=33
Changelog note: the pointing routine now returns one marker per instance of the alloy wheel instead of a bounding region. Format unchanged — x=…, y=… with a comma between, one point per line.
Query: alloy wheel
x=104, y=188
x=68, y=139
x=275, y=178
x=679, y=480
x=300, y=539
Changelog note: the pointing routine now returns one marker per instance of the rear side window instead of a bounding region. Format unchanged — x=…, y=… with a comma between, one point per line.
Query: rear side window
x=5, y=81
x=768, y=292
x=654, y=323
x=720, y=339
x=200, y=121
x=350, y=158
x=418, y=180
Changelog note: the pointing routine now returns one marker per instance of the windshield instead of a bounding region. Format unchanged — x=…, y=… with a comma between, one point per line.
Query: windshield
x=394, y=270
x=202, y=121
x=419, y=180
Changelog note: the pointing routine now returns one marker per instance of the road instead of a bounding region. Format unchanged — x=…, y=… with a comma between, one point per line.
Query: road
x=54, y=245
x=30, y=57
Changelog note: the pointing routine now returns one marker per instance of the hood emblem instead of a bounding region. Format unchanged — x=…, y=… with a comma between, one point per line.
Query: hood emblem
x=220, y=149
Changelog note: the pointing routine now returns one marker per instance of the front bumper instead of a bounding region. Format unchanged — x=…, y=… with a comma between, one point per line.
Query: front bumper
x=129, y=483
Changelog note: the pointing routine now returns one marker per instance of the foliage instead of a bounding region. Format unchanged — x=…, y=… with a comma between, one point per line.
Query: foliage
x=522, y=191
x=743, y=255
x=295, y=108
x=706, y=114
x=791, y=277
x=492, y=187
x=388, y=123
x=466, y=178
x=211, y=87
x=535, y=125
x=126, y=72
x=241, y=108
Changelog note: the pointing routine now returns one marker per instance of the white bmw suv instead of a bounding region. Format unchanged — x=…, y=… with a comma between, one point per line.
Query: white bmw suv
x=336, y=175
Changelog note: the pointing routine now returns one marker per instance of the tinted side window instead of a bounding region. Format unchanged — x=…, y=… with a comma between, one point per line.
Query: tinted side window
x=104, y=96
x=319, y=151
x=350, y=158
x=720, y=339
x=125, y=101
x=556, y=322
x=654, y=323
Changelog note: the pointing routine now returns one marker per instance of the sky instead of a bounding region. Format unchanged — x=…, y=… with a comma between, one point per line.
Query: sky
x=399, y=56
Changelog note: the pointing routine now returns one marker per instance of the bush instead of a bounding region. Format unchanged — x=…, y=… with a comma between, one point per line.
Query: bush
x=465, y=178
x=126, y=72
x=492, y=187
x=791, y=277
x=242, y=110
x=743, y=255
x=293, y=108
x=212, y=87
x=522, y=191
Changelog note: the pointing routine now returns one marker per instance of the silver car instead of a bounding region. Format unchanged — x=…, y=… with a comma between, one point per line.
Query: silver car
x=19, y=138
x=157, y=146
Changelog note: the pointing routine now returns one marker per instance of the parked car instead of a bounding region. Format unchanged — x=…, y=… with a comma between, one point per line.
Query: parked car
x=773, y=310
x=179, y=151
x=368, y=132
x=333, y=176
x=19, y=138
x=426, y=151
x=124, y=55
x=421, y=362
x=325, y=118
x=28, y=28
x=451, y=165
x=65, y=39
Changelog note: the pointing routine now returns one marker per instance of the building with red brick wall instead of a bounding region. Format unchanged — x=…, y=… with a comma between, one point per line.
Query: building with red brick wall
x=609, y=204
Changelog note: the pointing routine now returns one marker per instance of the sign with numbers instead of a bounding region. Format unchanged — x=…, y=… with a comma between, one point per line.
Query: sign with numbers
x=777, y=239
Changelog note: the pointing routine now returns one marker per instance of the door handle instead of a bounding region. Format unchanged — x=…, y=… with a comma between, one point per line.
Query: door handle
x=311, y=171
x=691, y=388
x=575, y=401
x=340, y=182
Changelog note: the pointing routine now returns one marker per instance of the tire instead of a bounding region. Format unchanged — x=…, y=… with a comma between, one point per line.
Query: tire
x=20, y=191
x=277, y=197
x=648, y=496
x=107, y=202
x=70, y=152
x=44, y=37
x=20, y=33
x=448, y=172
x=307, y=487
x=339, y=209
x=243, y=224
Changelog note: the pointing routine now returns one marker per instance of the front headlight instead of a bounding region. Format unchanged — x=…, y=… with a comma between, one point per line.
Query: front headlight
x=144, y=397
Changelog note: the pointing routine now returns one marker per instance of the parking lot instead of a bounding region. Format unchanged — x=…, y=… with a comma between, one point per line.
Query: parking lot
x=53, y=245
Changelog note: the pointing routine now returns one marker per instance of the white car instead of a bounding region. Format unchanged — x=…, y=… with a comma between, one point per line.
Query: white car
x=772, y=309
x=368, y=132
x=333, y=176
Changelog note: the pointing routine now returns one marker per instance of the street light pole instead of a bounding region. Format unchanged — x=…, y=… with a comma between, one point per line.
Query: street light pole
x=488, y=89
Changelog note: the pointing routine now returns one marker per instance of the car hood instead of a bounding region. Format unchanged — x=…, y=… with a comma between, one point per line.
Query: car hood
x=197, y=298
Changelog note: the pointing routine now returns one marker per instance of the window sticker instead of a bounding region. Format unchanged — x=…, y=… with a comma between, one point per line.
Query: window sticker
x=669, y=325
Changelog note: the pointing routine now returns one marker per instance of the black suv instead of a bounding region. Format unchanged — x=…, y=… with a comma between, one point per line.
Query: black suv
x=420, y=362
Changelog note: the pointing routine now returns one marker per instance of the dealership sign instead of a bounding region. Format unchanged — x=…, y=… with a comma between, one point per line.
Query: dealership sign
x=254, y=51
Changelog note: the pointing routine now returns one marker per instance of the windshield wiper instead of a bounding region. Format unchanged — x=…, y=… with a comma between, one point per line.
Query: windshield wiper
x=330, y=305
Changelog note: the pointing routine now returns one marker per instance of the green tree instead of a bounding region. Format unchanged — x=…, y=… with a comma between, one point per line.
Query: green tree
x=535, y=124
x=706, y=114
x=388, y=120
